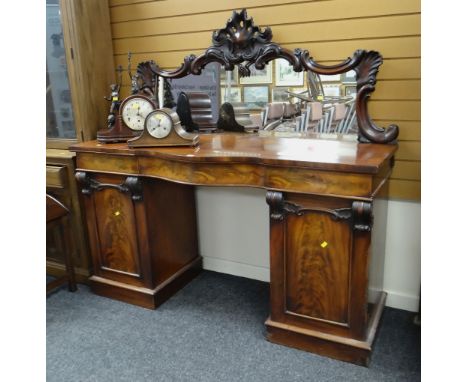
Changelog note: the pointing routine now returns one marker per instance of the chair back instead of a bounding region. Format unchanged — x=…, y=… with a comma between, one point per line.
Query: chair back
x=194, y=110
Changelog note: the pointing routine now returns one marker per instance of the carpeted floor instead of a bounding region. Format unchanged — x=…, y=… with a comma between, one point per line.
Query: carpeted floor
x=212, y=330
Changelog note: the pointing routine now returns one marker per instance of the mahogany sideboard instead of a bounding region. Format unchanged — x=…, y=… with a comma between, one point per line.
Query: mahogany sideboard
x=141, y=219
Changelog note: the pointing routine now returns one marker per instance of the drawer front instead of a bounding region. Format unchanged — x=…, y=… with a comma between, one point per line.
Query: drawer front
x=56, y=176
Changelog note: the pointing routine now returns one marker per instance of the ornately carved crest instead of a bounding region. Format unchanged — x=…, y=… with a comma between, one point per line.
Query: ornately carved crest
x=241, y=35
x=241, y=43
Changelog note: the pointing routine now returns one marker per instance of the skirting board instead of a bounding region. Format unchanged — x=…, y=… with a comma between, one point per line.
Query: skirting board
x=236, y=269
x=394, y=299
x=402, y=301
x=397, y=300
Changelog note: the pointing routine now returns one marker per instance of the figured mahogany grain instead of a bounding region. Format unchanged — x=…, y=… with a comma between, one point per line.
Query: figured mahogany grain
x=317, y=266
x=310, y=151
x=319, y=191
x=116, y=229
x=308, y=165
x=113, y=163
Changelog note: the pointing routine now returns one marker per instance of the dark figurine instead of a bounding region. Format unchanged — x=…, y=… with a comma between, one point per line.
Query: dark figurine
x=114, y=100
x=227, y=119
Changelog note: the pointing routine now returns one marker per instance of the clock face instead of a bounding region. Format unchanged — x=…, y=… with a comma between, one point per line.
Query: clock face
x=134, y=112
x=159, y=124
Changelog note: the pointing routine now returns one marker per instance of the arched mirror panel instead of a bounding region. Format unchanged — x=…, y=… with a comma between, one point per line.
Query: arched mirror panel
x=252, y=84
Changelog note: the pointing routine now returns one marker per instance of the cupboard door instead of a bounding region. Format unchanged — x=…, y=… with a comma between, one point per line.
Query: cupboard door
x=317, y=266
x=319, y=261
x=117, y=231
x=117, y=227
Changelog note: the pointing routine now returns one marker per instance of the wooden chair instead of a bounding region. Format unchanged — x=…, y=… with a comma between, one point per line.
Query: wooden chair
x=273, y=115
x=58, y=215
x=348, y=124
x=313, y=115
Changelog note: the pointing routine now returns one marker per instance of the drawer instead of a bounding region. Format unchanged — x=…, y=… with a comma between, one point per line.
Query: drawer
x=56, y=176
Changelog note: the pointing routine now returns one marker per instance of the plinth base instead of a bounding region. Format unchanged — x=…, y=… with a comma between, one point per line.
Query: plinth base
x=329, y=345
x=147, y=298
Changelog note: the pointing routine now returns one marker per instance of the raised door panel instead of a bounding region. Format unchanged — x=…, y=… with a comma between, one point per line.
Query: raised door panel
x=317, y=267
x=115, y=215
x=116, y=228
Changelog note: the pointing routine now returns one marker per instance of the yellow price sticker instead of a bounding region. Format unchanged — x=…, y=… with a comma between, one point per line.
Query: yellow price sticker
x=324, y=244
x=115, y=98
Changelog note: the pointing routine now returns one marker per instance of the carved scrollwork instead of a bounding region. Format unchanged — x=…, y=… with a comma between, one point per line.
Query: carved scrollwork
x=241, y=38
x=147, y=80
x=279, y=208
x=240, y=43
x=362, y=217
x=131, y=185
x=244, y=44
x=366, y=73
x=359, y=215
x=276, y=202
x=349, y=64
x=241, y=34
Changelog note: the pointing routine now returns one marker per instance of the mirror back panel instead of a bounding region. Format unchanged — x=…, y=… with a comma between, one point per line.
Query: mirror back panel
x=247, y=51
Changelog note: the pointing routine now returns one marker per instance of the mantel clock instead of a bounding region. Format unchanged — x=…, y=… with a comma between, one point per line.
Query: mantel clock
x=162, y=127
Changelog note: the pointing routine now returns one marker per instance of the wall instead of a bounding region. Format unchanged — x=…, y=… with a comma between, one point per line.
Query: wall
x=167, y=31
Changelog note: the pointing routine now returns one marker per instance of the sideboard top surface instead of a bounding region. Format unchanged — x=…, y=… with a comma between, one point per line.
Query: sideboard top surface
x=312, y=152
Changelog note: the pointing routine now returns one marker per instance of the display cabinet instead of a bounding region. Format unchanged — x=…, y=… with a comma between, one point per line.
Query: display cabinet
x=79, y=72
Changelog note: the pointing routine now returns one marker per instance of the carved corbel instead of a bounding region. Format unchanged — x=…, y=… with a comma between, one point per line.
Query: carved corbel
x=362, y=217
x=276, y=202
x=131, y=185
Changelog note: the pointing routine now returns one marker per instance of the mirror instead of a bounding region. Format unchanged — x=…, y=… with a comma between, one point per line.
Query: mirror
x=278, y=94
x=275, y=99
x=272, y=89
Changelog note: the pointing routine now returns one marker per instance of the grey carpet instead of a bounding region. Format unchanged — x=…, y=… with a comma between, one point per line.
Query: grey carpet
x=212, y=330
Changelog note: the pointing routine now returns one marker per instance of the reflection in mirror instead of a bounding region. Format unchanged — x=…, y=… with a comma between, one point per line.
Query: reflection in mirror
x=275, y=99
x=284, y=92
x=207, y=82
x=280, y=100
